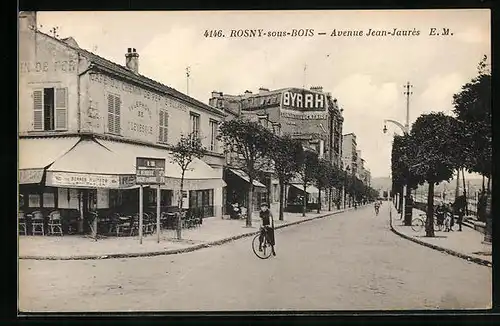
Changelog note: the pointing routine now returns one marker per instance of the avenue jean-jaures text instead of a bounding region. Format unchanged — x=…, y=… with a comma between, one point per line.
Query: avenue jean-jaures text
x=339, y=33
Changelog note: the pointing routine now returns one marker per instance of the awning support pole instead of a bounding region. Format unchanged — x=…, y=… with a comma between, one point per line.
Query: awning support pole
x=140, y=213
x=158, y=198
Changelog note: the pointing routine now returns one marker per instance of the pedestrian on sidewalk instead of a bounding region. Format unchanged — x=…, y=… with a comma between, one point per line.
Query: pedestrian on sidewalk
x=459, y=206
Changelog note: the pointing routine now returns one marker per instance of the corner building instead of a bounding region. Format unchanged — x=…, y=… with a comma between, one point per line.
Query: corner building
x=83, y=120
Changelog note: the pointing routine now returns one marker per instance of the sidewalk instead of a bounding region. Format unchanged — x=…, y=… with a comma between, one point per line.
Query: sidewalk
x=467, y=244
x=213, y=231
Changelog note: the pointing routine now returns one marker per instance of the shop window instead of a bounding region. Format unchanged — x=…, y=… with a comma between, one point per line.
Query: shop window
x=163, y=132
x=50, y=109
x=114, y=104
x=49, y=200
x=34, y=200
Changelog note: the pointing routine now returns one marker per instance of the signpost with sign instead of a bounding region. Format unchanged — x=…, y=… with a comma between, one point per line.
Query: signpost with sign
x=150, y=171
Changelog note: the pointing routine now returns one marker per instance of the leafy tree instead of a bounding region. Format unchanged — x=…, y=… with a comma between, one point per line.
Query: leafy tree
x=429, y=156
x=472, y=106
x=307, y=173
x=401, y=173
x=287, y=155
x=251, y=142
x=335, y=179
x=321, y=174
x=185, y=151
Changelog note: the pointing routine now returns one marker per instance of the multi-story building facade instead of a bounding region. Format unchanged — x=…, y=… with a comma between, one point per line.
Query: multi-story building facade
x=311, y=116
x=83, y=120
x=349, y=153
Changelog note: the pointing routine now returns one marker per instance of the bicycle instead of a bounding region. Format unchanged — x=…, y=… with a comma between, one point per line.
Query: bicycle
x=419, y=222
x=267, y=247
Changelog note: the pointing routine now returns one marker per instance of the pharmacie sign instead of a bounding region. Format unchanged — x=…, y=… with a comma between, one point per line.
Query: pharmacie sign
x=303, y=100
x=150, y=171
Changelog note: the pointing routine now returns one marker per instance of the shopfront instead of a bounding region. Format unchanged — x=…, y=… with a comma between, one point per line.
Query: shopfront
x=77, y=176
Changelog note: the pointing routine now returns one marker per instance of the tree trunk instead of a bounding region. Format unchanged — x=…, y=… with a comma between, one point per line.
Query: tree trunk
x=482, y=189
x=250, y=204
x=319, y=200
x=489, y=184
x=400, y=204
x=282, y=198
x=465, y=192
x=304, y=200
x=330, y=199
x=429, y=221
x=179, y=215
x=407, y=218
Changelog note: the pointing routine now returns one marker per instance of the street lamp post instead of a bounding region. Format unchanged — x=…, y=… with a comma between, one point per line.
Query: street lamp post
x=406, y=131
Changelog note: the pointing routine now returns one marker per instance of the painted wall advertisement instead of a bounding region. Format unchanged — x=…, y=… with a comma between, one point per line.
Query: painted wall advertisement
x=303, y=100
x=138, y=107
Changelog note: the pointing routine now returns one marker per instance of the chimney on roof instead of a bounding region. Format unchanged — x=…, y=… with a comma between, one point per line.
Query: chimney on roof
x=132, y=60
x=216, y=94
x=263, y=90
x=317, y=88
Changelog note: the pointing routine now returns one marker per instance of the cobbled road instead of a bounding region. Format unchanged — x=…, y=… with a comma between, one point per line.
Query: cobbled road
x=348, y=261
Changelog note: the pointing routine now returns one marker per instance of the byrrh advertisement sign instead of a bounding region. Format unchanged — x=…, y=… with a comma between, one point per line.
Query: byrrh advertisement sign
x=303, y=100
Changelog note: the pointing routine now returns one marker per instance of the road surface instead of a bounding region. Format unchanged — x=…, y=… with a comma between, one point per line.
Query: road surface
x=349, y=261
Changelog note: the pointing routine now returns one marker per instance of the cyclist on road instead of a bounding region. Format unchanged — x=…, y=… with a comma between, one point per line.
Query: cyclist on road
x=266, y=230
x=377, y=206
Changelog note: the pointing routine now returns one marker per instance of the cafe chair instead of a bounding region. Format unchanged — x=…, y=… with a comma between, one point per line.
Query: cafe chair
x=22, y=223
x=37, y=225
x=55, y=225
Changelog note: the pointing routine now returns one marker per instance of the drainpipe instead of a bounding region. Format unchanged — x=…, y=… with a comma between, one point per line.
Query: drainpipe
x=78, y=82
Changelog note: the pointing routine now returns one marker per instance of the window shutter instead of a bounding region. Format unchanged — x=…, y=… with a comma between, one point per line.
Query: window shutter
x=118, y=104
x=61, y=108
x=38, y=110
x=165, y=126
x=111, y=114
x=160, y=123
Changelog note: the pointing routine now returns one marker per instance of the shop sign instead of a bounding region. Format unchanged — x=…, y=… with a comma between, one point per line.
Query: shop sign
x=30, y=176
x=127, y=181
x=297, y=115
x=83, y=180
x=150, y=171
x=303, y=100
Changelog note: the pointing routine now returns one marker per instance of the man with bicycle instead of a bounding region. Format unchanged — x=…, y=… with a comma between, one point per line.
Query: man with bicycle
x=266, y=231
x=377, y=206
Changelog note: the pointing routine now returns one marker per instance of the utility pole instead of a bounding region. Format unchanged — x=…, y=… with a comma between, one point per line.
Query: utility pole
x=188, y=71
x=407, y=92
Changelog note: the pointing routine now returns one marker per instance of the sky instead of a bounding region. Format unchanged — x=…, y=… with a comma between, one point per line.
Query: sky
x=365, y=73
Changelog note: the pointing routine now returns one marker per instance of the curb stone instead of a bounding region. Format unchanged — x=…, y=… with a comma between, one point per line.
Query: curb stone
x=175, y=251
x=476, y=260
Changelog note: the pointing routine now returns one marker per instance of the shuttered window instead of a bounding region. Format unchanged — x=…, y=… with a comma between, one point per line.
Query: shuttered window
x=38, y=110
x=50, y=109
x=163, y=123
x=114, y=104
x=61, y=109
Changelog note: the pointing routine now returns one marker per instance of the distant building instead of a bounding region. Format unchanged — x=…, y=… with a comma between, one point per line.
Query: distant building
x=309, y=115
x=349, y=153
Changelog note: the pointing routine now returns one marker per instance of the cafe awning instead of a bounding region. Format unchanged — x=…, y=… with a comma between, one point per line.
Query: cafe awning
x=199, y=175
x=89, y=165
x=309, y=189
x=35, y=154
x=246, y=178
